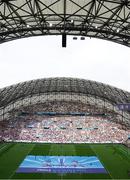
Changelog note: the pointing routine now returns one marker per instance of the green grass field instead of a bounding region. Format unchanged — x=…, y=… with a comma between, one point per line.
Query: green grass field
x=114, y=157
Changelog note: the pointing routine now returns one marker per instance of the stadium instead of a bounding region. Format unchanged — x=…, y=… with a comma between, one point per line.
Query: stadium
x=65, y=113
x=64, y=128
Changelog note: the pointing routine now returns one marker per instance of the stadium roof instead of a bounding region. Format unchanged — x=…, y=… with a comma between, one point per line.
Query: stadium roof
x=104, y=19
x=69, y=85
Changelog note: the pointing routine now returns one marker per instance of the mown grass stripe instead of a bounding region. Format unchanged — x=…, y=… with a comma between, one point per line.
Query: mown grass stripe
x=23, y=159
x=99, y=157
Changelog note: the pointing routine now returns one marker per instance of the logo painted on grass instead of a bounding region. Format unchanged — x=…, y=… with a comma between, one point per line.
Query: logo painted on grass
x=61, y=164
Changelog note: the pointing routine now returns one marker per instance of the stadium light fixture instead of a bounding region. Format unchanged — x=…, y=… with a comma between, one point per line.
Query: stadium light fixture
x=117, y=30
x=82, y=38
x=28, y=25
x=50, y=24
x=75, y=38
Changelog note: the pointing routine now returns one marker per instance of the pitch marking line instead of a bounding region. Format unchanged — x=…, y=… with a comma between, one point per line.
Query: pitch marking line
x=3, y=146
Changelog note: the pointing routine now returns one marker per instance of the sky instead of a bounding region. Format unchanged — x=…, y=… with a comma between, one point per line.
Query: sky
x=42, y=57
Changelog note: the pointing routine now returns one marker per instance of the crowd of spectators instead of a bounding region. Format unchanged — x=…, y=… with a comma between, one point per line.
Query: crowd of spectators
x=63, y=129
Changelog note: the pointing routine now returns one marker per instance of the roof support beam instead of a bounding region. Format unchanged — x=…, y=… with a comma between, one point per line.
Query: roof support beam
x=104, y=19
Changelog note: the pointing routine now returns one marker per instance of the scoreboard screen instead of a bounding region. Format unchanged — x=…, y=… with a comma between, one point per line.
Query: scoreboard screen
x=124, y=106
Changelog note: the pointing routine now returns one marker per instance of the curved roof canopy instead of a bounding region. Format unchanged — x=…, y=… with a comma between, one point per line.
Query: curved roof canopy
x=69, y=85
x=104, y=19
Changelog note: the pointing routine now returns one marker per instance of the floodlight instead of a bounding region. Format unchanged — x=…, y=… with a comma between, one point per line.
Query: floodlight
x=82, y=38
x=50, y=24
x=75, y=38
